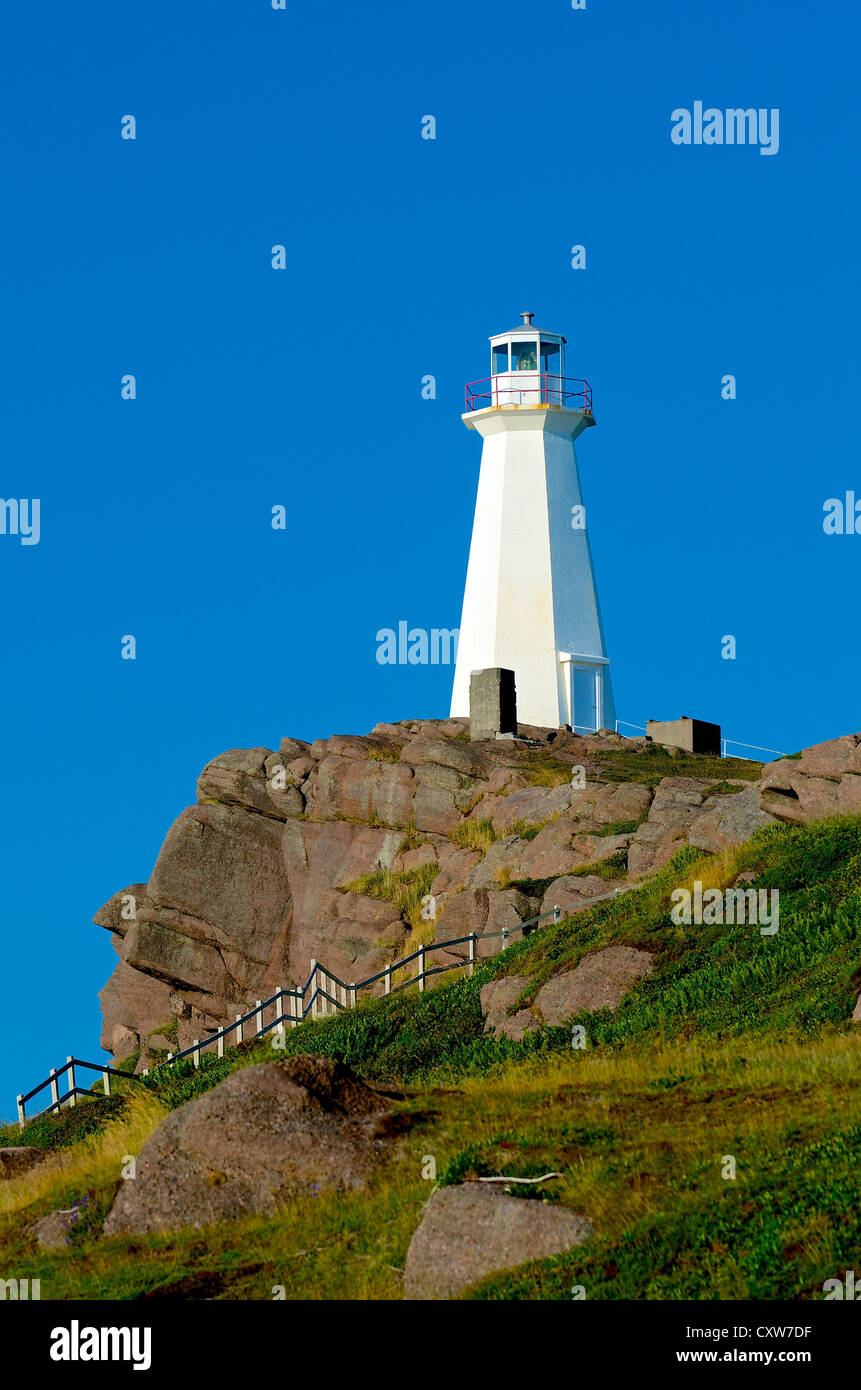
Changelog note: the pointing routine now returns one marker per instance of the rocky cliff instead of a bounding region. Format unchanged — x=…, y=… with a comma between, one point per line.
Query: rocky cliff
x=351, y=849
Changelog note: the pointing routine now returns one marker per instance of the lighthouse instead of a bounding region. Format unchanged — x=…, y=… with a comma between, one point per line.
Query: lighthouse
x=531, y=601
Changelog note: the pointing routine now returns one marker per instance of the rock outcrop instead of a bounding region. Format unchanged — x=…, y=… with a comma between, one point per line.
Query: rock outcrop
x=825, y=780
x=298, y=854
x=471, y=1231
x=15, y=1161
x=287, y=1128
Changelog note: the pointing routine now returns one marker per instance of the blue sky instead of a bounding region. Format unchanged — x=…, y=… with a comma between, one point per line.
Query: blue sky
x=257, y=387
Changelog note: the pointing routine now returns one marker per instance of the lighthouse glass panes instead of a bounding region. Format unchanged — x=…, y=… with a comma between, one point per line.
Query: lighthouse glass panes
x=499, y=359
x=551, y=376
x=524, y=357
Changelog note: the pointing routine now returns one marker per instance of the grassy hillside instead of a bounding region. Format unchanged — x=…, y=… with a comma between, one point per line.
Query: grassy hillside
x=737, y=1045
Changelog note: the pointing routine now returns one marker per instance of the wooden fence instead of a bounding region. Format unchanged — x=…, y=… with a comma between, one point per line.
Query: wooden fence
x=322, y=994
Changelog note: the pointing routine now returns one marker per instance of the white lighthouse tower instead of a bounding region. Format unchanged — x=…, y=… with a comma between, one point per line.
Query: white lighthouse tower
x=531, y=602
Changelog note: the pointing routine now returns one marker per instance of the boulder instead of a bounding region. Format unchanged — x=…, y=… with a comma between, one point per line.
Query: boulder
x=133, y=1004
x=677, y=803
x=460, y=757
x=455, y=870
x=120, y=911
x=576, y=893
x=414, y=858
x=267, y=1132
x=124, y=1042
x=462, y=914
x=533, y=805
x=824, y=781
x=342, y=788
x=15, y=1161
x=434, y=808
x=52, y=1231
x=729, y=820
x=600, y=981
x=221, y=876
x=176, y=957
x=497, y=998
x=251, y=777
x=473, y=1230
x=606, y=803
x=501, y=863
x=552, y=853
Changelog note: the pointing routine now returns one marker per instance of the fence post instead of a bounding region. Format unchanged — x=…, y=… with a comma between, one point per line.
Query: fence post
x=106, y=1077
x=387, y=985
x=21, y=1116
x=421, y=969
x=355, y=993
x=557, y=914
x=170, y=1057
x=196, y=1054
x=294, y=1008
x=315, y=1002
x=724, y=747
x=72, y=1083
x=240, y=1035
x=55, y=1090
x=472, y=951
x=220, y=1042
x=258, y=1018
x=504, y=937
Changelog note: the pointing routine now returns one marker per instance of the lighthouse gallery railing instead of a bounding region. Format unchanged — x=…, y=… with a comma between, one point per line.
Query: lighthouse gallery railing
x=540, y=388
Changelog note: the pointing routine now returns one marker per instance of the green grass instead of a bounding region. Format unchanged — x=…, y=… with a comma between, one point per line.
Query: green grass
x=62, y=1130
x=654, y=762
x=525, y=830
x=385, y=752
x=473, y=834
x=403, y=890
x=621, y=827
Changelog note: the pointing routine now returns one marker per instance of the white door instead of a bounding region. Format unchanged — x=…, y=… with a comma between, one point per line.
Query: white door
x=584, y=692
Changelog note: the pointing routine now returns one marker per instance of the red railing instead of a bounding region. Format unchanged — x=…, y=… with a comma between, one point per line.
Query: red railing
x=529, y=388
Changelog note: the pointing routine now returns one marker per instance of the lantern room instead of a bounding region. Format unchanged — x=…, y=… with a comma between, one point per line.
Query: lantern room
x=527, y=368
x=527, y=365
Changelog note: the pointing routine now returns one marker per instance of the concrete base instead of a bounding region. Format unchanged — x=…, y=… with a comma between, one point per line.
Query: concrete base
x=691, y=735
x=492, y=703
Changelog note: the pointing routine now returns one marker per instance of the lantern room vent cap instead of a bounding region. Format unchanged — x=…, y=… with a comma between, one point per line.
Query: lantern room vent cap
x=527, y=316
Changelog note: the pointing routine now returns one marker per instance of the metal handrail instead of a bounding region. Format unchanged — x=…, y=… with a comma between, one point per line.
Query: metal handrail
x=549, y=387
